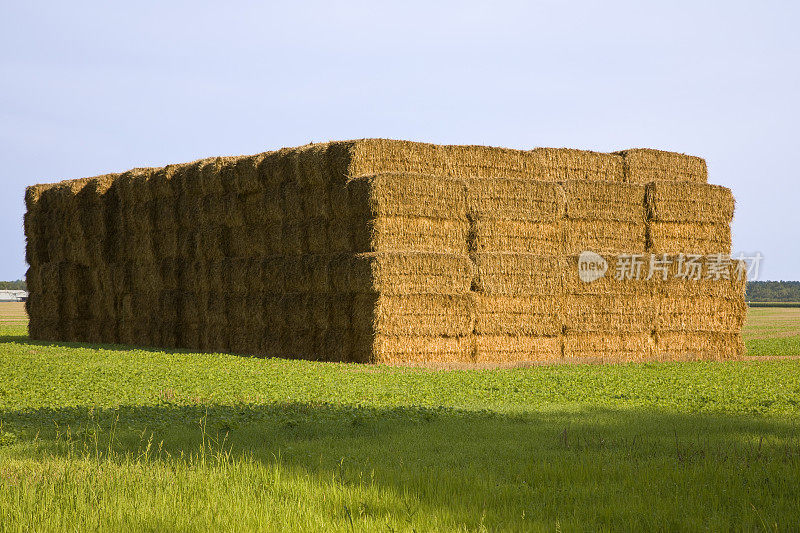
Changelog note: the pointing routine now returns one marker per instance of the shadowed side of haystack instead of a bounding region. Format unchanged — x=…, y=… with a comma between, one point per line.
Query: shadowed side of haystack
x=384, y=251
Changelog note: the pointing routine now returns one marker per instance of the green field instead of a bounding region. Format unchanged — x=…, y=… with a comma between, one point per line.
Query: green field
x=110, y=438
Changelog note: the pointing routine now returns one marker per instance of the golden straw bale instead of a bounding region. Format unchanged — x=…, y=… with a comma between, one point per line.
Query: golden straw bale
x=389, y=349
x=517, y=349
x=683, y=201
x=515, y=199
x=559, y=164
x=518, y=274
x=402, y=273
x=517, y=315
x=696, y=313
x=374, y=156
x=609, y=313
x=517, y=236
x=606, y=347
x=413, y=314
x=605, y=200
x=418, y=234
x=604, y=236
x=701, y=345
x=689, y=237
x=408, y=195
x=643, y=165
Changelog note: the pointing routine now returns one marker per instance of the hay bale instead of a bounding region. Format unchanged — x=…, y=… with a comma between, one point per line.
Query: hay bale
x=605, y=347
x=517, y=315
x=413, y=314
x=643, y=165
x=559, y=164
x=400, y=350
x=408, y=195
x=612, y=313
x=698, y=345
x=517, y=274
x=517, y=236
x=402, y=273
x=604, y=236
x=514, y=199
x=517, y=349
x=689, y=237
x=417, y=234
x=689, y=202
x=688, y=313
x=591, y=200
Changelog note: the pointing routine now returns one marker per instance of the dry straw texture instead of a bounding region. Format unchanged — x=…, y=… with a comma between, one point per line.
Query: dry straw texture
x=384, y=251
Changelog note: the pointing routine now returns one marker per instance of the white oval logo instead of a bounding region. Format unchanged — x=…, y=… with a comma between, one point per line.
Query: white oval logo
x=591, y=266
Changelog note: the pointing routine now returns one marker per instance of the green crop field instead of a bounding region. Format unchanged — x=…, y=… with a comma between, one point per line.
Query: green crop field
x=110, y=438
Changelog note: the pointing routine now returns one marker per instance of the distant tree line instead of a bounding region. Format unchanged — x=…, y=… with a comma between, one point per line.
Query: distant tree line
x=14, y=285
x=773, y=291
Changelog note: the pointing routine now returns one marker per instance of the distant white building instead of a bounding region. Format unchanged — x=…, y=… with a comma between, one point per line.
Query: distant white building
x=7, y=295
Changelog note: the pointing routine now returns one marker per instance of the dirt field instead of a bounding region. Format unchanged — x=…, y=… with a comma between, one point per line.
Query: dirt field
x=13, y=313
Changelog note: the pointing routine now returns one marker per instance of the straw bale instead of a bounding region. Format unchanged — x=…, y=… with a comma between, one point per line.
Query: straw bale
x=643, y=165
x=604, y=200
x=703, y=345
x=518, y=274
x=612, y=282
x=607, y=347
x=215, y=338
x=517, y=348
x=684, y=201
x=191, y=307
x=168, y=304
x=408, y=195
x=188, y=336
x=516, y=236
x=517, y=315
x=43, y=306
x=334, y=345
x=259, y=209
x=167, y=333
x=414, y=314
x=244, y=174
x=634, y=312
x=244, y=340
x=402, y=273
x=418, y=234
x=559, y=164
x=677, y=313
x=689, y=237
x=306, y=273
x=604, y=236
x=375, y=156
x=508, y=199
x=389, y=349
x=211, y=242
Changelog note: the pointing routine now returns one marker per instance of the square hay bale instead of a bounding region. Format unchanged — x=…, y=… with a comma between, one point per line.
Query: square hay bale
x=643, y=165
x=607, y=347
x=414, y=314
x=698, y=345
x=689, y=237
x=417, y=234
x=410, y=350
x=604, y=236
x=517, y=236
x=609, y=275
x=514, y=199
x=559, y=164
x=683, y=201
x=692, y=313
x=612, y=313
x=408, y=195
x=402, y=273
x=518, y=274
x=517, y=349
x=597, y=200
x=517, y=315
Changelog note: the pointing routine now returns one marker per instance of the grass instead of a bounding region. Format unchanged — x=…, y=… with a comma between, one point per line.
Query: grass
x=105, y=437
x=772, y=331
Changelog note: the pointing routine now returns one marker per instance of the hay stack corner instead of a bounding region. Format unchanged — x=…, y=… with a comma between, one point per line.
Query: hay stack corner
x=385, y=251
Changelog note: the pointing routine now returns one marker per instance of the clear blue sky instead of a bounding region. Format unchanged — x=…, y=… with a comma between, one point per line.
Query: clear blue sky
x=89, y=88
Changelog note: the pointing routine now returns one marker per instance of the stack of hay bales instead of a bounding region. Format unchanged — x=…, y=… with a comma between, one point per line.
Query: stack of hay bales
x=384, y=251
